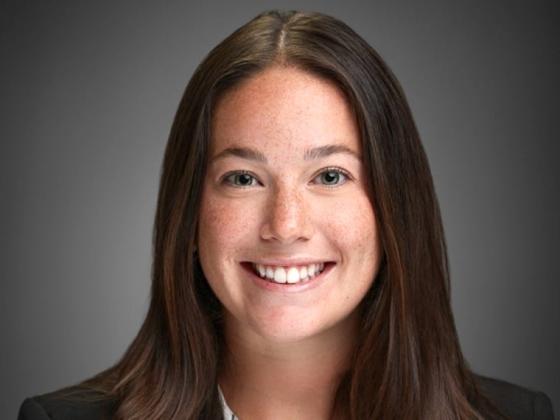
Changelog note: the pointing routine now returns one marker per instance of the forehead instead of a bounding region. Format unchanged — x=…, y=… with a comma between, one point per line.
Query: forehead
x=282, y=109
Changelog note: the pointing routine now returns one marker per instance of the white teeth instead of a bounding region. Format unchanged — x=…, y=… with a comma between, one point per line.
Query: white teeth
x=311, y=270
x=269, y=273
x=289, y=275
x=280, y=275
x=293, y=275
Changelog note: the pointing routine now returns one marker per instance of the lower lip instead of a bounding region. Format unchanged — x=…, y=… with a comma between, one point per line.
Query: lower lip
x=289, y=287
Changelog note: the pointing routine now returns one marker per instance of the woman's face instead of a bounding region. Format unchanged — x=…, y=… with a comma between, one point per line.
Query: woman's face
x=285, y=189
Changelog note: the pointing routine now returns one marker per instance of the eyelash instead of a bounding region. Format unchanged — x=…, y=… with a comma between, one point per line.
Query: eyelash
x=335, y=169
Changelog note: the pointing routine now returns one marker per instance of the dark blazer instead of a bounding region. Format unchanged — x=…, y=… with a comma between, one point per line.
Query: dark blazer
x=516, y=402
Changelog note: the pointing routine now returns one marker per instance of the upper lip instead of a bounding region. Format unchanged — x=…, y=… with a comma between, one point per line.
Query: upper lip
x=290, y=261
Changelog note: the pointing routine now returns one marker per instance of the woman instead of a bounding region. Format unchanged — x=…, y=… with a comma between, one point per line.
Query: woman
x=300, y=266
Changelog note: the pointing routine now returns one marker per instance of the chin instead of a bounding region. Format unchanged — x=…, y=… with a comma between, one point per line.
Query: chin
x=286, y=327
x=286, y=335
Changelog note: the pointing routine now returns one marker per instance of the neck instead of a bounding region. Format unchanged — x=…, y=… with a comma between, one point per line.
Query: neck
x=296, y=379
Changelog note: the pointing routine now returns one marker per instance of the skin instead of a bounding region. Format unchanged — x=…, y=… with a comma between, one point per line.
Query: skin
x=286, y=352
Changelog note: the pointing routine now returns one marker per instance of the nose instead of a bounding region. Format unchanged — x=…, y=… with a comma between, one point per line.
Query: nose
x=287, y=217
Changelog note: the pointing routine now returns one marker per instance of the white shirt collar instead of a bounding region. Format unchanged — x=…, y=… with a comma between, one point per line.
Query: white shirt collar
x=228, y=413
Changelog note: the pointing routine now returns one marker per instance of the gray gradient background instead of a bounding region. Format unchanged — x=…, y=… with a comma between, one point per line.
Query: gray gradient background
x=88, y=93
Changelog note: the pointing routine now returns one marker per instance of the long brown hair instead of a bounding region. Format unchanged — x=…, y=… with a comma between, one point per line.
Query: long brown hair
x=408, y=363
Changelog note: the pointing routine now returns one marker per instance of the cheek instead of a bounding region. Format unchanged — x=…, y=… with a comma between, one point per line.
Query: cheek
x=354, y=232
x=222, y=224
x=354, y=227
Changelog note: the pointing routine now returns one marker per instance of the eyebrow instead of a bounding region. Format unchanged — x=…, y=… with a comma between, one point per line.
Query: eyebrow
x=309, y=154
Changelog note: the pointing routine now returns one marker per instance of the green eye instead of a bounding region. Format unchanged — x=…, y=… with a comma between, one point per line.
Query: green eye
x=329, y=177
x=332, y=177
x=239, y=179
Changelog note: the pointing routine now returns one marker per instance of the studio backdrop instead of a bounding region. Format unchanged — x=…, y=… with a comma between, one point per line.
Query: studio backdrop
x=88, y=93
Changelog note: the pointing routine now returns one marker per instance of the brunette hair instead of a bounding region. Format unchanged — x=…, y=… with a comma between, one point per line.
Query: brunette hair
x=408, y=363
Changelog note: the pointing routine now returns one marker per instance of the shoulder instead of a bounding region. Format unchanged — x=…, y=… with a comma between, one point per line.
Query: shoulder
x=517, y=402
x=69, y=403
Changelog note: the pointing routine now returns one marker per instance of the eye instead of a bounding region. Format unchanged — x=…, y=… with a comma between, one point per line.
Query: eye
x=239, y=179
x=332, y=176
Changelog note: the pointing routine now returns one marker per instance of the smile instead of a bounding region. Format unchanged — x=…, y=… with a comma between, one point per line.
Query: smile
x=293, y=274
x=288, y=278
